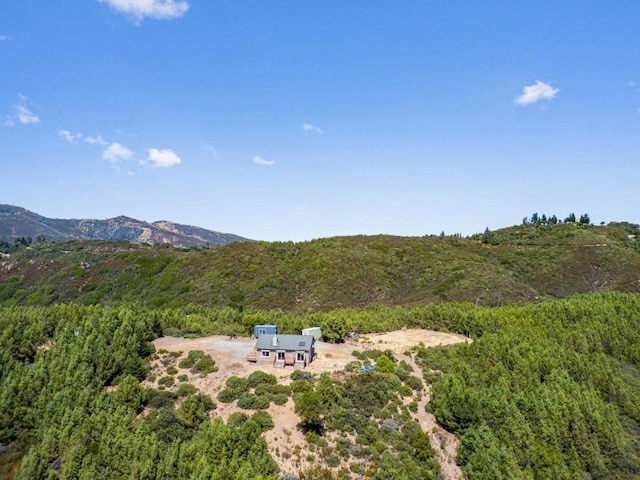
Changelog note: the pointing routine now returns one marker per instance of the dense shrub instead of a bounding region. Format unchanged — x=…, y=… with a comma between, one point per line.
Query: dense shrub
x=259, y=377
x=166, y=381
x=186, y=389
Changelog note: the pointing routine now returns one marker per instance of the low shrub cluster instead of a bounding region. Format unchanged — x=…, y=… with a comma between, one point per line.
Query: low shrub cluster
x=256, y=392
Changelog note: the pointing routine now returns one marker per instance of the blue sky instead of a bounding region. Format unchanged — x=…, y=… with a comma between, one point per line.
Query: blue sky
x=295, y=119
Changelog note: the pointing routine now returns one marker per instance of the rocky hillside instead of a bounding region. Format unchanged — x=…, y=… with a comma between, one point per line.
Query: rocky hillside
x=16, y=222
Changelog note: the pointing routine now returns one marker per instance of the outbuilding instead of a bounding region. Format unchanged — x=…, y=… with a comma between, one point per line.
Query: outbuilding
x=315, y=332
x=264, y=329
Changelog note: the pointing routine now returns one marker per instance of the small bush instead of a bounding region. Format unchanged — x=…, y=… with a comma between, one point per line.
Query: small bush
x=279, y=399
x=249, y=401
x=237, y=384
x=192, y=357
x=166, y=381
x=405, y=391
x=186, y=389
x=259, y=377
x=301, y=386
x=186, y=363
x=205, y=365
x=172, y=370
x=333, y=461
x=405, y=366
x=183, y=378
x=353, y=367
x=236, y=419
x=414, y=382
x=302, y=375
x=159, y=399
x=262, y=402
x=227, y=395
x=264, y=420
x=389, y=425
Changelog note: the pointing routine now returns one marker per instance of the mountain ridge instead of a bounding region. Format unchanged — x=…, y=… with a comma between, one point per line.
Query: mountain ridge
x=520, y=264
x=17, y=222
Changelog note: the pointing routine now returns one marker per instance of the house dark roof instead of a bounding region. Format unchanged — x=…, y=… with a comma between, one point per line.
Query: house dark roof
x=285, y=342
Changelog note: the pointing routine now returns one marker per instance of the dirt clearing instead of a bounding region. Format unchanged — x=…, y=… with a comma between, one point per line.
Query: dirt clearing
x=230, y=356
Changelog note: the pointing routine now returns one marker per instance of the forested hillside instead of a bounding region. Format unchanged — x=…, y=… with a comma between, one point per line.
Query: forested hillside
x=544, y=391
x=520, y=264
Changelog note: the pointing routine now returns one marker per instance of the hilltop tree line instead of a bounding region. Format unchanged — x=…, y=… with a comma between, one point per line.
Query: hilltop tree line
x=543, y=219
x=19, y=242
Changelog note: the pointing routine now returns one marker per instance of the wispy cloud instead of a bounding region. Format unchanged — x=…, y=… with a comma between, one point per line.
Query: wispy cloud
x=138, y=10
x=4, y=38
x=97, y=140
x=536, y=92
x=258, y=160
x=212, y=150
x=161, y=158
x=79, y=137
x=115, y=153
x=70, y=137
x=308, y=128
x=22, y=113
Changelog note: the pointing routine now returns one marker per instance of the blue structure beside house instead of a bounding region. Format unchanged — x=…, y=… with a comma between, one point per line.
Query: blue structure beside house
x=264, y=329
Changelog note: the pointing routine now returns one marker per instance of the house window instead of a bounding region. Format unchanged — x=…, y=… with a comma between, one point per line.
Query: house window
x=299, y=356
x=264, y=353
x=262, y=331
x=280, y=355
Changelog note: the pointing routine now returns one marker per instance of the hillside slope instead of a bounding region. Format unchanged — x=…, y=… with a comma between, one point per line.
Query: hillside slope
x=516, y=265
x=16, y=222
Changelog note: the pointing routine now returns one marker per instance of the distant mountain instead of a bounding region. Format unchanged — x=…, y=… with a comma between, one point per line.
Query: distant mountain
x=16, y=222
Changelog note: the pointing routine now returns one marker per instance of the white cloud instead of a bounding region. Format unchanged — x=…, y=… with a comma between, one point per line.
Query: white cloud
x=98, y=140
x=258, y=160
x=308, y=128
x=26, y=116
x=157, y=9
x=536, y=92
x=115, y=152
x=70, y=137
x=4, y=38
x=22, y=113
x=161, y=158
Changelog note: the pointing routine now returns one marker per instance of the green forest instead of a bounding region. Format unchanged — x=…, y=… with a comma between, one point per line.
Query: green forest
x=546, y=390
